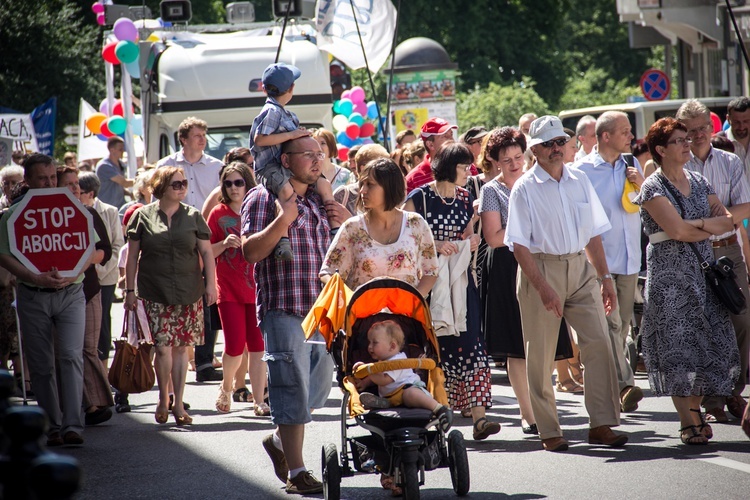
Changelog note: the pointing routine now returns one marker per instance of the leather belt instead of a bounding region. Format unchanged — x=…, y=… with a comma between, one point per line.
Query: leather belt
x=730, y=240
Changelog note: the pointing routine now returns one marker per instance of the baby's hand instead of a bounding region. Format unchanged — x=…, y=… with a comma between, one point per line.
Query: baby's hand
x=300, y=132
x=357, y=365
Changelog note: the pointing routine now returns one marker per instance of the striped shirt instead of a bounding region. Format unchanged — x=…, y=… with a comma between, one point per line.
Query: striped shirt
x=740, y=151
x=726, y=175
x=289, y=286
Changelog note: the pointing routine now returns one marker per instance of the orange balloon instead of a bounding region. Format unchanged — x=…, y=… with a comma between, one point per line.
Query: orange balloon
x=94, y=122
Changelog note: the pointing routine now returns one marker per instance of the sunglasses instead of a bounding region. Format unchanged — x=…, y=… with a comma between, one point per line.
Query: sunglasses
x=236, y=183
x=554, y=142
x=178, y=185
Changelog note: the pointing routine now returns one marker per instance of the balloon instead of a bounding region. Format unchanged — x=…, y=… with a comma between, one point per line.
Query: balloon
x=116, y=124
x=101, y=137
x=372, y=110
x=346, y=94
x=100, y=19
x=367, y=140
x=134, y=69
x=726, y=125
x=126, y=52
x=119, y=108
x=336, y=106
x=356, y=118
x=153, y=38
x=108, y=53
x=346, y=106
x=94, y=122
x=343, y=152
x=361, y=108
x=357, y=94
x=716, y=122
x=366, y=130
x=340, y=122
x=136, y=125
x=352, y=131
x=125, y=30
x=97, y=8
x=105, y=131
x=342, y=138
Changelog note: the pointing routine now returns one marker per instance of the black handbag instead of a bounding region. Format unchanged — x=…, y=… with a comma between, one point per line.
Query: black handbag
x=719, y=274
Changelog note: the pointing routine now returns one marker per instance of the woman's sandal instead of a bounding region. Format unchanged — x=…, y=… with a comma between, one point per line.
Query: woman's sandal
x=466, y=413
x=575, y=371
x=224, y=401
x=262, y=410
x=486, y=430
x=693, y=437
x=161, y=417
x=242, y=395
x=181, y=420
x=704, y=428
x=570, y=386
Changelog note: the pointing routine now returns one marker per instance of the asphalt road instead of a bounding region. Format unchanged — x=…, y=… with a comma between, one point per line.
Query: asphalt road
x=221, y=457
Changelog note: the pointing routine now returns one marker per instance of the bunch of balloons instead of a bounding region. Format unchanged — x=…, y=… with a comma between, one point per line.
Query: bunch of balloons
x=99, y=9
x=106, y=124
x=124, y=50
x=353, y=120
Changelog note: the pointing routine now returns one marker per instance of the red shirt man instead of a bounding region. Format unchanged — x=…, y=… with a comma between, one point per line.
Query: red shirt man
x=435, y=132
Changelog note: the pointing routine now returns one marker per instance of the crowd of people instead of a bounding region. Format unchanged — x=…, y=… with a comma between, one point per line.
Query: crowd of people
x=527, y=241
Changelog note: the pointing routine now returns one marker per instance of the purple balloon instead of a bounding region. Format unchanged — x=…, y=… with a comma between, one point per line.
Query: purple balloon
x=104, y=107
x=125, y=29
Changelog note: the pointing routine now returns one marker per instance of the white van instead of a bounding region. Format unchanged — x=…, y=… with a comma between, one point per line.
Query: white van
x=216, y=77
x=643, y=114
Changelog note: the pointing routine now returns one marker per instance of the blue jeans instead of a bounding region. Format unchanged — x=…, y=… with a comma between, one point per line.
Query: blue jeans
x=299, y=373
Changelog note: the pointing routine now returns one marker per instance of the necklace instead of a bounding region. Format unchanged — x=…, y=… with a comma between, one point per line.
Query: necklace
x=455, y=189
x=393, y=234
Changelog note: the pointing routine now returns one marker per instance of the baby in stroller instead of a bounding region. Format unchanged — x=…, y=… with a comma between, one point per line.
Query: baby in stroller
x=397, y=387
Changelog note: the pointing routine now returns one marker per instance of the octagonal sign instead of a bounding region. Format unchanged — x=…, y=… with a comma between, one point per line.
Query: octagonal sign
x=50, y=229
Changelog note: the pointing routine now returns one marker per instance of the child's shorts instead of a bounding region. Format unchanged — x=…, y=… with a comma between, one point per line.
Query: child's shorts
x=273, y=176
x=396, y=398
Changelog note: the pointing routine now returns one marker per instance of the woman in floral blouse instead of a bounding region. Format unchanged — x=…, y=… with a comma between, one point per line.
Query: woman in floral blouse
x=385, y=240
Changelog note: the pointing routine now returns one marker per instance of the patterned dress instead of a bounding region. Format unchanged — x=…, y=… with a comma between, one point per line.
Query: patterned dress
x=463, y=357
x=689, y=343
x=358, y=258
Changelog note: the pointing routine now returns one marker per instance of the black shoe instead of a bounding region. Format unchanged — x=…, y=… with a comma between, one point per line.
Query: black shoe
x=98, y=416
x=185, y=404
x=530, y=429
x=209, y=374
x=122, y=405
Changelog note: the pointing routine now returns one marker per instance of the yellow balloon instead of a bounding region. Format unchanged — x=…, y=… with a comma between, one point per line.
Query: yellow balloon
x=152, y=38
x=94, y=122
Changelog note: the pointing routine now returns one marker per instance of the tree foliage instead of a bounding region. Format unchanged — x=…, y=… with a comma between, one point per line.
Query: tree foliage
x=498, y=105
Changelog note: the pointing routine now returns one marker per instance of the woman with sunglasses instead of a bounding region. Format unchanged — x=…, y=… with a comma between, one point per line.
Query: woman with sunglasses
x=236, y=290
x=687, y=336
x=167, y=240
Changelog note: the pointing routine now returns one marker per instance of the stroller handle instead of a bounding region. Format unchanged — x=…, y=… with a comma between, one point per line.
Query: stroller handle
x=398, y=364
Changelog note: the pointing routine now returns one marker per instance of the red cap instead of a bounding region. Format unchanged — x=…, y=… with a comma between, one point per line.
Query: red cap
x=436, y=126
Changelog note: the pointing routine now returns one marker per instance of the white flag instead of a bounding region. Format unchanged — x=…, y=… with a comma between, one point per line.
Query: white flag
x=90, y=147
x=337, y=31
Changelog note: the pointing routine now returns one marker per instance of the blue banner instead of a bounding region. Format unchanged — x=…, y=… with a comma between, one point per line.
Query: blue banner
x=43, y=117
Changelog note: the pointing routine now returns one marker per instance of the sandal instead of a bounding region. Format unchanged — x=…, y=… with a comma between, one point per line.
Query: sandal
x=216, y=363
x=161, y=417
x=387, y=483
x=693, y=437
x=575, y=371
x=704, y=428
x=486, y=430
x=569, y=386
x=242, y=395
x=224, y=401
x=262, y=410
x=466, y=413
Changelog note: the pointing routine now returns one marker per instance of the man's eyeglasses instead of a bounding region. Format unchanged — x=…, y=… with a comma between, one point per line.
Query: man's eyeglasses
x=178, y=185
x=309, y=155
x=555, y=142
x=680, y=141
x=705, y=129
x=236, y=183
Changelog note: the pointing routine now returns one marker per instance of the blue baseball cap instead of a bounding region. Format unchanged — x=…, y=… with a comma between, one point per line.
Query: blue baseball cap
x=281, y=76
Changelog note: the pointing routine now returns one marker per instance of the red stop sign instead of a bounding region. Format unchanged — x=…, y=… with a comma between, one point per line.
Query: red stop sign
x=49, y=229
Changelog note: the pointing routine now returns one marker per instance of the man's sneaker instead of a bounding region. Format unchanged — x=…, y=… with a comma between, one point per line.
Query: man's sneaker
x=98, y=416
x=629, y=398
x=372, y=402
x=304, y=483
x=209, y=374
x=280, y=467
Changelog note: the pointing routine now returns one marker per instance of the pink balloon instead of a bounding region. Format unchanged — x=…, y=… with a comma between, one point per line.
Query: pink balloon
x=97, y=8
x=358, y=95
x=360, y=107
x=100, y=20
x=346, y=94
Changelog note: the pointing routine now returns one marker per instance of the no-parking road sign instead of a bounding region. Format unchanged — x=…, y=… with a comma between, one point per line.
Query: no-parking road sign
x=655, y=85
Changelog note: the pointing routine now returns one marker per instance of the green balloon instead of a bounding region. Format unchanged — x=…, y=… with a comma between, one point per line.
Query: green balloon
x=117, y=124
x=126, y=51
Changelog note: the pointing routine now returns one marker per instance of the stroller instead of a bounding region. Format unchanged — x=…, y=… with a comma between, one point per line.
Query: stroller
x=402, y=442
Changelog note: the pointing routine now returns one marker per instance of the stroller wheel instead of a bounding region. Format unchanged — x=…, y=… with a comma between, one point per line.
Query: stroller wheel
x=410, y=478
x=458, y=462
x=331, y=472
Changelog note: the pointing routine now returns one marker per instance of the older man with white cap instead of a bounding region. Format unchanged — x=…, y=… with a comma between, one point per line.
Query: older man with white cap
x=435, y=132
x=554, y=225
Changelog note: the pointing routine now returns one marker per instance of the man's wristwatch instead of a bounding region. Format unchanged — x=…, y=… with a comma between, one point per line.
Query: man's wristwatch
x=604, y=277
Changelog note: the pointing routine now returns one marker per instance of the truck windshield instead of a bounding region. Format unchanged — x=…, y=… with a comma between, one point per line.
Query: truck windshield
x=222, y=140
